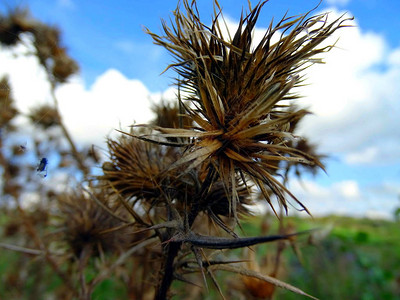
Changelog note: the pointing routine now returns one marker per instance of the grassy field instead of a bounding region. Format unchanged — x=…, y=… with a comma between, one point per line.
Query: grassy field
x=358, y=259
x=345, y=259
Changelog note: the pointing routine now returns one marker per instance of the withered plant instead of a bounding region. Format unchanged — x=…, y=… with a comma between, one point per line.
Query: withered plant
x=55, y=61
x=29, y=226
x=172, y=195
x=231, y=135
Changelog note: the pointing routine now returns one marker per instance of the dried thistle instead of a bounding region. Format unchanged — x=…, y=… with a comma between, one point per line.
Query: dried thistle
x=232, y=129
x=12, y=25
x=140, y=171
x=89, y=226
x=238, y=94
x=52, y=55
x=303, y=145
x=168, y=115
x=63, y=66
x=45, y=116
x=136, y=167
x=46, y=40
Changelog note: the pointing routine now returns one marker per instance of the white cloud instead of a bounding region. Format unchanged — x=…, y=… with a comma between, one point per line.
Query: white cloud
x=394, y=58
x=354, y=97
x=345, y=198
x=112, y=102
x=386, y=188
x=386, y=153
x=337, y=2
x=66, y=4
x=349, y=189
x=28, y=80
x=126, y=46
x=366, y=155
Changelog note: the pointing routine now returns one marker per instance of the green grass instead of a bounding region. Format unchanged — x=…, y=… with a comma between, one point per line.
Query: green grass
x=358, y=259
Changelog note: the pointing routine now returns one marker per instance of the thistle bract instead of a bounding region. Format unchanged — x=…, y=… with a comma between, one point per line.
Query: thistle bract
x=238, y=95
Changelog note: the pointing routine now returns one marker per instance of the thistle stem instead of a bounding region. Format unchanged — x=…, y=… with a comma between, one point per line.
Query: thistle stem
x=172, y=248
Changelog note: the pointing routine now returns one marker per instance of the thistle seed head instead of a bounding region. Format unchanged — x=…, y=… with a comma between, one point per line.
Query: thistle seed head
x=238, y=95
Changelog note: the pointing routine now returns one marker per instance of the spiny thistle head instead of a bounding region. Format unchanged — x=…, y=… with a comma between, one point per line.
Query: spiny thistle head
x=88, y=226
x=140, y=171
x=168, y=115
x=136, y=168
x=237, y=94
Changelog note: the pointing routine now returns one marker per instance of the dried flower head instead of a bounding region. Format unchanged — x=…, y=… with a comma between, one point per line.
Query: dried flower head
x=52, y=55
x=12, y=25
x=136, y=168
x=45, y=116
x=46, y=40
x=141, y=171
x=63, y=65
x=12, y=188
x=304, y=146
x=168, y=115
x=89, y=226
x=237, y=94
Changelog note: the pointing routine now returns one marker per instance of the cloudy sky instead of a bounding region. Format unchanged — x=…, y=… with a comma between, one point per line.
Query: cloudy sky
x=355, y=96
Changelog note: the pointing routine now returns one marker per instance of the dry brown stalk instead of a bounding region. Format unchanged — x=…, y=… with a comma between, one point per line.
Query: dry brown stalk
x=238, y=129
x=174, y=191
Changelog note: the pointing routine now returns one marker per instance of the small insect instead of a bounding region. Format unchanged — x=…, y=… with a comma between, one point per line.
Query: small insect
x=42, y=167
x=22, y=147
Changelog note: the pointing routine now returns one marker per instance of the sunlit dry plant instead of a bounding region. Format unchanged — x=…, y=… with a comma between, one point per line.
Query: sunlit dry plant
x=173, y=191
x=239, y=122
x=136, y=167
x=46, y=40
x=238, y=93
x=94, y=225
x=303, y=145
x=139, y=171
x=8, y=112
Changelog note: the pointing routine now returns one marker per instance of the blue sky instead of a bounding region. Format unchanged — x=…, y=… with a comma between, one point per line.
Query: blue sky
x=114, y=29
x=355, y=95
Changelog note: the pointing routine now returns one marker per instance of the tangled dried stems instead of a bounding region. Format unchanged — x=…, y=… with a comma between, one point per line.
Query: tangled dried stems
x=173, y=192
x=238, y=133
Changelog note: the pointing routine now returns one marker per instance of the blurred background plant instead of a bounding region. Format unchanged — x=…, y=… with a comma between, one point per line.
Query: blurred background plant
x=175, y=197
x=396, y=213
